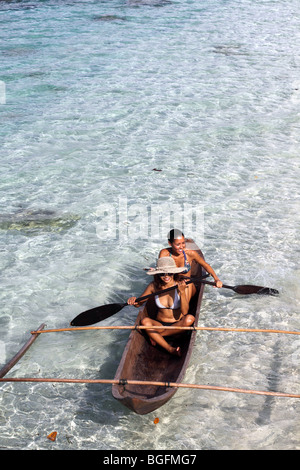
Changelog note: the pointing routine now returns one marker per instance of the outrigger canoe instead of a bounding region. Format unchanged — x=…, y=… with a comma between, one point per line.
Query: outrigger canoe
x=143, y=362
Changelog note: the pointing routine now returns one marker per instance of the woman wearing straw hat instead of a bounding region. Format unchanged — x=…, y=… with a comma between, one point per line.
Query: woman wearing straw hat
x=173, y=306
x=184, y=259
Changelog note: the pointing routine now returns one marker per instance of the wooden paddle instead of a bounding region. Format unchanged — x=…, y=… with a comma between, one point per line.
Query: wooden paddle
x=94, y=315
x=245, y=288
x=104, y=311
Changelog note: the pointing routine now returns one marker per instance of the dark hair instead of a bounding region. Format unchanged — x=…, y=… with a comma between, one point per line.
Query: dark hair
x=173, y=234
x=158, y=282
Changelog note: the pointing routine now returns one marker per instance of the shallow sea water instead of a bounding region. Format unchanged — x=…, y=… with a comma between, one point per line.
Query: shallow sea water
x=99, y=95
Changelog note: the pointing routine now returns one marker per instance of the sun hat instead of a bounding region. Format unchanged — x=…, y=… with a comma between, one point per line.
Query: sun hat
x=165, y=265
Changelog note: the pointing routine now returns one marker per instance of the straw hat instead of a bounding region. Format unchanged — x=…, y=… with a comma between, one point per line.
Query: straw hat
x=165, y=265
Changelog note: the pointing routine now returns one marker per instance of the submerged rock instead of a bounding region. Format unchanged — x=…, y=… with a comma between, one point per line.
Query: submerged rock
x=228, y=49
x=109, y=18
x=34, y=221
x=150, y=3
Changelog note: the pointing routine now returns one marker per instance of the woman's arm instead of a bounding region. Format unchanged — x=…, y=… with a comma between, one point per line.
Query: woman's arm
x=195, y=256
x=184, y=301
x=149, y=290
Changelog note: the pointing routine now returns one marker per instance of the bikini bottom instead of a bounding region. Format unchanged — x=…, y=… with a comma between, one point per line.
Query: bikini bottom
x=167, y=323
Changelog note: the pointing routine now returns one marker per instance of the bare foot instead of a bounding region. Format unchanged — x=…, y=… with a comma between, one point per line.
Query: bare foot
x=176, y=351
x=152, y=342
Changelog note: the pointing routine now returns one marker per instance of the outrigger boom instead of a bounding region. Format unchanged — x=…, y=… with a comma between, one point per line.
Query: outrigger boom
x=124, y=382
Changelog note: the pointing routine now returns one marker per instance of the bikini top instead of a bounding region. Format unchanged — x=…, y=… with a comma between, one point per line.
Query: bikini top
x=186, y=263
x=176, y=303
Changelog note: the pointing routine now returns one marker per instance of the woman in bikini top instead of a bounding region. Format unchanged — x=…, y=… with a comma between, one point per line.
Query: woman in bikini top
x=176, y=251
x=172, y=306
x=175, y=307
x=187, y=265
x=176, y=302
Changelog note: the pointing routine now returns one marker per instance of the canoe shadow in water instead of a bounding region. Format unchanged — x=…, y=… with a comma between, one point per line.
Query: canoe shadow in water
x=265, y=413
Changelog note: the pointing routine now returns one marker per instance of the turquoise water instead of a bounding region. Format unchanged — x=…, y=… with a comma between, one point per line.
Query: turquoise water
x=96, y=96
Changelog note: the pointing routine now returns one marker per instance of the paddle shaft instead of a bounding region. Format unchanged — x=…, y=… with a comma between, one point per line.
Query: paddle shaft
x=241, y=289
x=163, y=291
x=97, y=314
x=213, y=284
x=195, y=279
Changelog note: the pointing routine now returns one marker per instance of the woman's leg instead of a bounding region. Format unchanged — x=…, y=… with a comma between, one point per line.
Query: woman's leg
x=156, y=336
x=186, y=320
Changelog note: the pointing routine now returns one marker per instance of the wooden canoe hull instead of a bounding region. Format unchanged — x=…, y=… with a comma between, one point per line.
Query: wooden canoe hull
x=142, y=361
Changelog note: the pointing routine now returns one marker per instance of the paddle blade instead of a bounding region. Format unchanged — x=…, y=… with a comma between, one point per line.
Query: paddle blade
x=248, y=289
x=94, y=315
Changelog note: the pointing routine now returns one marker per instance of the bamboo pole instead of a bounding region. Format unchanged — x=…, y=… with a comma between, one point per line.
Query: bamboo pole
x=147, y=383
x=22, y=351
x=140, y=327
